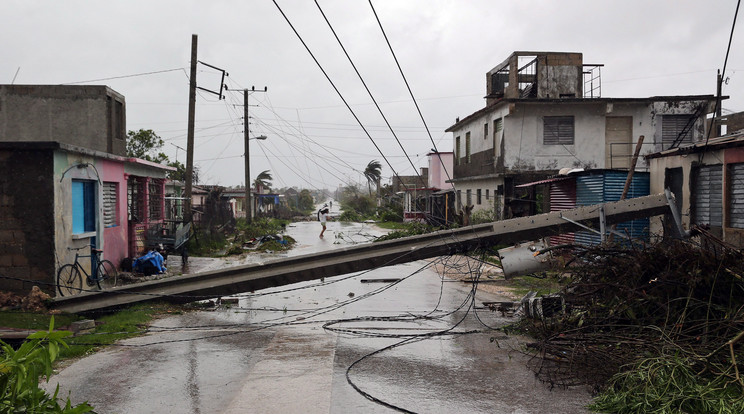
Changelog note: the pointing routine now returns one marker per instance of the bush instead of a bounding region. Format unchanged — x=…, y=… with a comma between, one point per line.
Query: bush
x=20, y=371
x=482, y=216
x=410, y=229
x=391, y=214
x=350, y=215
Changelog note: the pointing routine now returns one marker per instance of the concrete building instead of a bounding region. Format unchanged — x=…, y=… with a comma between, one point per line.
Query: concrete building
x=85, y=116
x=65, y=183
x=544, y=112
x=707, y=180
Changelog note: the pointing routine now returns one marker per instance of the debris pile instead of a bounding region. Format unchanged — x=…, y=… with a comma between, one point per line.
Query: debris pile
x=677, y=299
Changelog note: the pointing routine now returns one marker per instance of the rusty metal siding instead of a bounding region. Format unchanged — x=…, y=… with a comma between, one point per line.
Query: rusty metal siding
x=562, y=197
x=707, y=203
x=736, y=206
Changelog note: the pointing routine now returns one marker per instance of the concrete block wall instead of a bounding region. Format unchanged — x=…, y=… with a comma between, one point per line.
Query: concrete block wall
x=26, y=221
x=89, y=116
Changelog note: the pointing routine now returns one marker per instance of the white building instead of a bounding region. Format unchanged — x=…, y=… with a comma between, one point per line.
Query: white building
x=543, y=113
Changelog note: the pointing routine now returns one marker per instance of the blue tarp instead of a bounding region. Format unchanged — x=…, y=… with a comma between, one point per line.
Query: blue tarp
x=150, y=263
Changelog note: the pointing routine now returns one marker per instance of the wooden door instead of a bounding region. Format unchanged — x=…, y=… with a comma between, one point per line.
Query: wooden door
x=618, y=142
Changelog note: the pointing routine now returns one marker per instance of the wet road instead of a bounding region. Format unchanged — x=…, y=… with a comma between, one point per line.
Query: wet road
x=420, y=344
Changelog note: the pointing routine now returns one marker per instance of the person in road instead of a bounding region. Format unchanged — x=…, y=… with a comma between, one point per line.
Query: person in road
x=323, y=217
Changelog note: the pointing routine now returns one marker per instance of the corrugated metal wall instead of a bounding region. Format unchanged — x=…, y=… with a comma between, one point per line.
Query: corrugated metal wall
x=606, y=186
x=736, y=212
x=707, y=204
x=562, y=197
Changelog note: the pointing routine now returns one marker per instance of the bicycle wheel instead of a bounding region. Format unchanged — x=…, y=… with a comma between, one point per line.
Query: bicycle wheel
x=68, y=280
x=107, y=274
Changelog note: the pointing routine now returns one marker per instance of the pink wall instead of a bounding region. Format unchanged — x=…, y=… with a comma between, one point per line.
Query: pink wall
x=115, y=246
x=437, y=174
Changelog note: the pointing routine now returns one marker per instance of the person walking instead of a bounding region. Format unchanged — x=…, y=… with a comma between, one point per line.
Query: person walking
x=323, y=217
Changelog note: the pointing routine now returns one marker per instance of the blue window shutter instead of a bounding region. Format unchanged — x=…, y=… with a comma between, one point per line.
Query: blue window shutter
x=83, y=206
x=90, y=206
x=78, y=207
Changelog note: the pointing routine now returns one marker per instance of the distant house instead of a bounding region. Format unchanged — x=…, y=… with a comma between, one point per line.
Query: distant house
x=433, y=202
x=544, y=112
x=65, y=182
x=707, y=180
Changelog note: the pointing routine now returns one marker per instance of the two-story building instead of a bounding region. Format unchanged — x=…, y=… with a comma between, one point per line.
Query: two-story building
x=544, y=112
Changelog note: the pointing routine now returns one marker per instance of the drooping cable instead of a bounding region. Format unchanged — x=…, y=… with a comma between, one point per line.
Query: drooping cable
x=334, y=86
x=371, y=96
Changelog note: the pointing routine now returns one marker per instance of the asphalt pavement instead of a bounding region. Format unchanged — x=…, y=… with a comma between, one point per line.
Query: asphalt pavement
x=391, y=339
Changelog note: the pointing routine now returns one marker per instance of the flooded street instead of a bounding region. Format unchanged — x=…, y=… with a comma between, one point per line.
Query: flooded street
x=391, y=339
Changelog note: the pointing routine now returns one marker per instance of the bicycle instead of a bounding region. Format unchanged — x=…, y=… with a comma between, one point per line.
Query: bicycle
x=104, y=274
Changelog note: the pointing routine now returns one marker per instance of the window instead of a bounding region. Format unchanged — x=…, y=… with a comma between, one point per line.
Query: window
x=135, y=200
x=671, y=128
x=707, y=203
x=467, y=148
x=485, y=130
x=558, y=130
x=110, y=191
x=459, y=198
x=486, y=194
x=83, y=206
x=478, y=196
x=469, y=197
x=155, y=199
x=457, y=150
x=498, y=125
x=736, y=206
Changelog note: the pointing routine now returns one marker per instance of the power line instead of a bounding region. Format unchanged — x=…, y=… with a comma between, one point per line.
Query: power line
x=333, y=85
x=125, y=76
x=369, y=92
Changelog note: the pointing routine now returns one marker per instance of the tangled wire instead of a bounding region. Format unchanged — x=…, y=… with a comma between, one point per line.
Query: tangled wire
x=679, y=302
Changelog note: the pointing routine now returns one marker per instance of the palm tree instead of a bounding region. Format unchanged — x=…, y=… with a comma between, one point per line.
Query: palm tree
x=263, y=180
x=373, y=173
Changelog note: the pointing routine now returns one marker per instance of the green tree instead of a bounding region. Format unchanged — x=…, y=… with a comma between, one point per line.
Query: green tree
x=373, y=173
x=263, y=180
x=180, y=173
x=305, y=201
x=143, y=143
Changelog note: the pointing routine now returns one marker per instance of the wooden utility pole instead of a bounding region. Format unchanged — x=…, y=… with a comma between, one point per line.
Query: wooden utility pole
x=190, y=134
x=629, y=178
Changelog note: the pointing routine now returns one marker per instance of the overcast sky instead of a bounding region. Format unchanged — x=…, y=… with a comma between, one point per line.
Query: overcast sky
x=444, y=48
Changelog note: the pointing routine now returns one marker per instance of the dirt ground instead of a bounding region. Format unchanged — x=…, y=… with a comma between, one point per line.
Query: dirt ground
x=491, y=276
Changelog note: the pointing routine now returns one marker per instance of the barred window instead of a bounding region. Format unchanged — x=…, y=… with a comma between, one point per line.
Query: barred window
x=135, y=201
x=155, y=199
x=558, y=130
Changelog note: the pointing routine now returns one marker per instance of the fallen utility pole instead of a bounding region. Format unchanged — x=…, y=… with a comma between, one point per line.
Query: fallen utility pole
x=248, y=278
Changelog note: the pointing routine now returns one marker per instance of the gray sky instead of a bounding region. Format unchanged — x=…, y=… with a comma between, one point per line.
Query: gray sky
x=444, y=47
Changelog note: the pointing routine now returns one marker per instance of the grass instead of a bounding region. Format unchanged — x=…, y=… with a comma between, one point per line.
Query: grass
x=34, y=321
x=543, y=285
x=112, y=327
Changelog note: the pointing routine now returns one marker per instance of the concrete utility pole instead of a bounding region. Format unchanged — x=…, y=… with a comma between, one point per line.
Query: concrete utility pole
x=248, y=205
x=190, y=135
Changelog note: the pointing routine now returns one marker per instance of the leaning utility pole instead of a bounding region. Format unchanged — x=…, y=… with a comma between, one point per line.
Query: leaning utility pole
x=190, y=135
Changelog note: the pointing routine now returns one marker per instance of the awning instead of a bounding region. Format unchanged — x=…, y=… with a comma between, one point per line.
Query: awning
x=549, y=180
